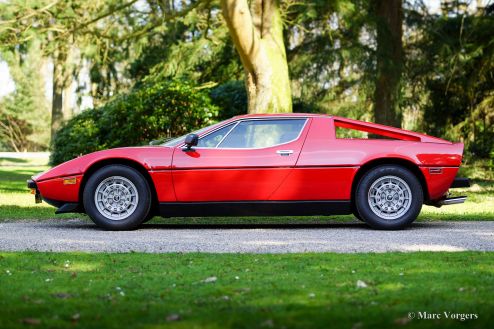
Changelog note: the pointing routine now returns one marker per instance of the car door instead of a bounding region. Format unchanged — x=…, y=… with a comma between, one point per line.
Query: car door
x=244, y=160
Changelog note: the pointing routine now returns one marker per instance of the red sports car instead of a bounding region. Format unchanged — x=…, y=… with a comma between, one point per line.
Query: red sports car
x=283, y=165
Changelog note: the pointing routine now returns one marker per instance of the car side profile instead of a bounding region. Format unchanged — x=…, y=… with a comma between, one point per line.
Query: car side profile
x=253, y=165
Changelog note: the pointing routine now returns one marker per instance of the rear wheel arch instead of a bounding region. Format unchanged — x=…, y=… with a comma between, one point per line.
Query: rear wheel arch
x=119, y=161
x=412, y=167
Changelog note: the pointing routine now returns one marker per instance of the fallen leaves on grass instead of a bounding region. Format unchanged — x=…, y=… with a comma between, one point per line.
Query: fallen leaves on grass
x=173, y=317
x=31, y=321
x=402, y=321
x=210, y=279
x=361, y=284
x=62, y=295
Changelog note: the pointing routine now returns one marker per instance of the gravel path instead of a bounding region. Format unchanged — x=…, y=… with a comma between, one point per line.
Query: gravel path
x=79, y=235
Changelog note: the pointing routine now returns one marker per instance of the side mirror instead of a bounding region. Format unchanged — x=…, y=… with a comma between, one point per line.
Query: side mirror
x=190, y=140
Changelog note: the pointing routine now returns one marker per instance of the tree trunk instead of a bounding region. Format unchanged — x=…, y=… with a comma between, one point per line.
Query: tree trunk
x=57, y=95
x=389, y=60
x=257, y=33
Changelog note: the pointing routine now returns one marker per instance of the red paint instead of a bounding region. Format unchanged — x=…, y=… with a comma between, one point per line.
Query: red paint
x=316, y=184
x=321, y=167
x=55, y=189
x=163, y=184
x=438, y=184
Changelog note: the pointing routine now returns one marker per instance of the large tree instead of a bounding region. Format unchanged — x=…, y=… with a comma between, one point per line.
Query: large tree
x=389, y=61
x=257, y=32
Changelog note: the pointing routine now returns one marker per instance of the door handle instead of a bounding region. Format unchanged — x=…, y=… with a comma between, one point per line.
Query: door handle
x=284, y=152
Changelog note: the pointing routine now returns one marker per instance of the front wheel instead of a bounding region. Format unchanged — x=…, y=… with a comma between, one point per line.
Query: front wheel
x=389, y=197
x=117, y=197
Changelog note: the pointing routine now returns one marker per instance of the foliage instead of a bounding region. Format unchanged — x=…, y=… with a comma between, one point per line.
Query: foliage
x=156, y=109
x=231, y=97
x=24, y=112
x=450, y=67
x=331, y=49
x=14, y=132
x=331, y=55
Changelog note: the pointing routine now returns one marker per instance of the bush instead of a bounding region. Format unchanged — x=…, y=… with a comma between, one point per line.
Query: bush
x=154, y=110
x=231, y=97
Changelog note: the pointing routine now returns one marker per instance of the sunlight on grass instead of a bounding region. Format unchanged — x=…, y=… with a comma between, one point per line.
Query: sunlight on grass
x=390, y=286
x=69, y=266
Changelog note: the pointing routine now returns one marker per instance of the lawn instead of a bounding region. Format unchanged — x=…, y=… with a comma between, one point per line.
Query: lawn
x=75, y=290
x=135, y=290
x=16, y=203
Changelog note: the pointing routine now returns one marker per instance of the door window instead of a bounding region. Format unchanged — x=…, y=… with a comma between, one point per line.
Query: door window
x=263, y=133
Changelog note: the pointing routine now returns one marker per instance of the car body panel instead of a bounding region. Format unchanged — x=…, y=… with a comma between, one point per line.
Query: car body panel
x=214, y=174
x=55, y=189
x=316, y=183
x=50, y=183
x=438, y=183
x=320, y=168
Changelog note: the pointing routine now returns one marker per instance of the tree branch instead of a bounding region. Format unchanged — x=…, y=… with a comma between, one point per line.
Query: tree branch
x=241, y=26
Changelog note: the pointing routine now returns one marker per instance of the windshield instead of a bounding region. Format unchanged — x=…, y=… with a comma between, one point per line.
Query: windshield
x=177, y=141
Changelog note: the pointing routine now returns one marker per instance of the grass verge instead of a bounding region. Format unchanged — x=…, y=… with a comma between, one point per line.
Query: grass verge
x=74, y=290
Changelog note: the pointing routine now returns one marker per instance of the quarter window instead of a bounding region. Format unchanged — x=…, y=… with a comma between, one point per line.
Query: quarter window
x=212, y=139
x=263, y=133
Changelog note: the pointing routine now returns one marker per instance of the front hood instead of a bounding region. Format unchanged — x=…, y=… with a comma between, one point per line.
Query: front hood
x=150, y=157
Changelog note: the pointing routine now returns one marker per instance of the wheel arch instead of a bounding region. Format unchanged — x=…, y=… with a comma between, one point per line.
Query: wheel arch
x=120, y=161
x=389, y=161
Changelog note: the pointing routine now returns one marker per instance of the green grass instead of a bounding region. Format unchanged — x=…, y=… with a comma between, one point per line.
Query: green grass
x=17, y=204
x=65, y=290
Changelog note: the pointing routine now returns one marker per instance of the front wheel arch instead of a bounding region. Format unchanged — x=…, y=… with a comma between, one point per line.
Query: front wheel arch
x=126, y=162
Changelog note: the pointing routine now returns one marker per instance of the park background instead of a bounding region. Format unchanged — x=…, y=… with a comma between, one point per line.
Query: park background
x=79, y=76
x=100, y=74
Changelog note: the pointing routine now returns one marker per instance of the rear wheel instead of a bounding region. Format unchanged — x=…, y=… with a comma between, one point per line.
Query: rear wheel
x=117, y=197
x=389, y=197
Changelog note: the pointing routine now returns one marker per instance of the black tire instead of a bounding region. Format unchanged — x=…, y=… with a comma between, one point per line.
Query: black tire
x=392, y=181
x=357, y=215
x=148, y=217
x=135, y=213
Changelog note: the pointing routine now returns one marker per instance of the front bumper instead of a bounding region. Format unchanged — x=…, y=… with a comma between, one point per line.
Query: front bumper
x=63, y=207
x=31, y=184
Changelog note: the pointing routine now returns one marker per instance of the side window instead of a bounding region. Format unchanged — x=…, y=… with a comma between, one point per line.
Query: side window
x=211, y=140
x=263, y=133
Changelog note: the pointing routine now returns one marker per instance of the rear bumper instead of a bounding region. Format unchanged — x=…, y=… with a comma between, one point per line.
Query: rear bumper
x=454, y=200
x=460, y=182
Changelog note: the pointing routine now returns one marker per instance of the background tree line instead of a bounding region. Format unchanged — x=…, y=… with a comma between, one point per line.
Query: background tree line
x=388, y=61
